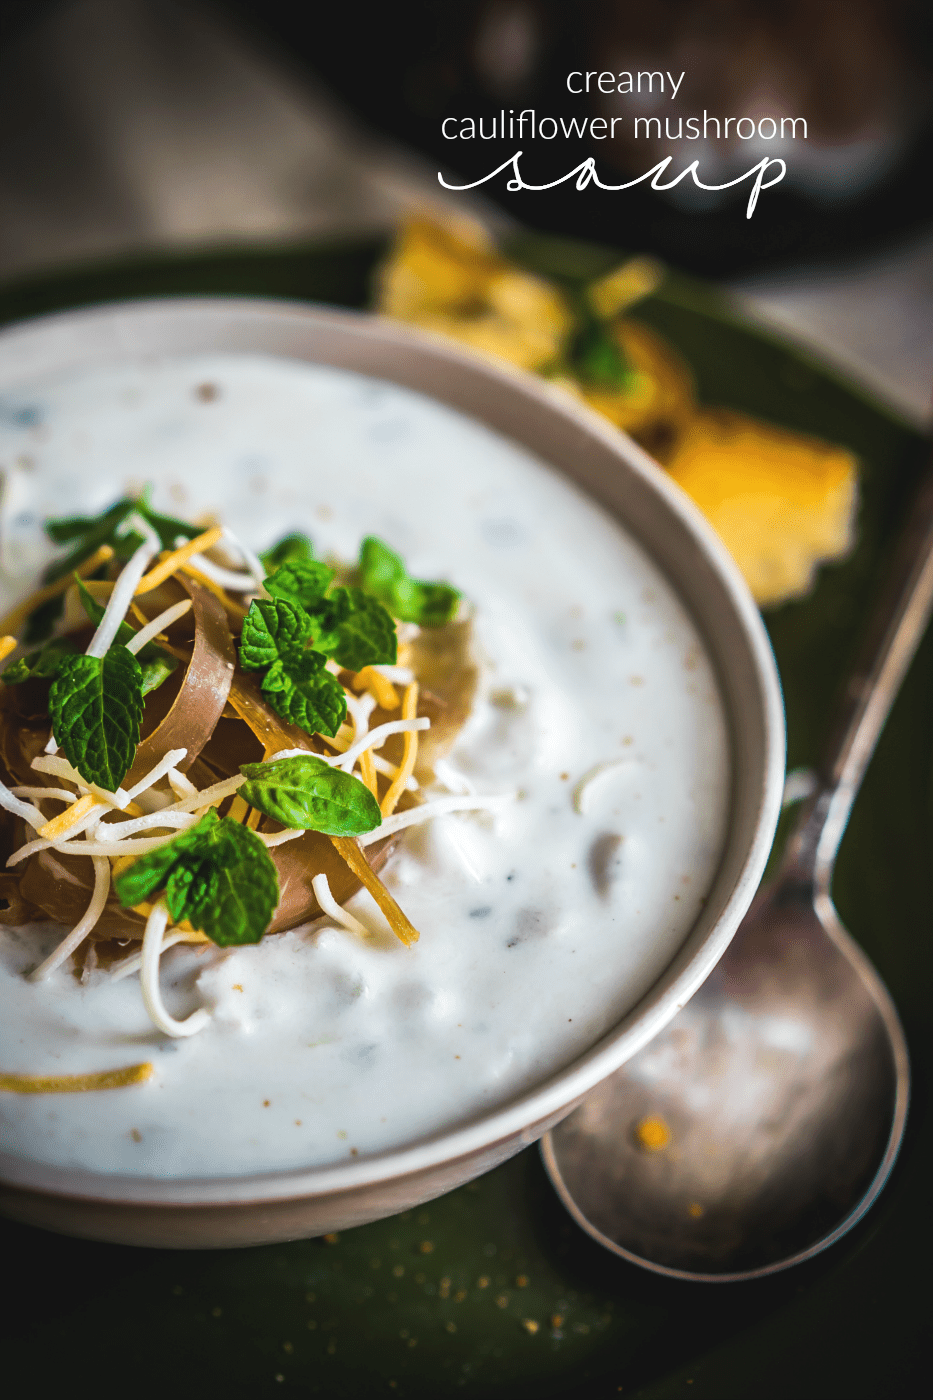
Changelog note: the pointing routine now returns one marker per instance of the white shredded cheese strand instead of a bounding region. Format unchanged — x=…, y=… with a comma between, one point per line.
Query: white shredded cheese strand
x=359, y=708
x=278, y=838
x=582, y=790
x=124, y=588
x=333, y=910
x=372, y=738
x=149, y=981
x=61, y=768
x=181, y=786
x=226, y=578
x=38, y=793
x=81, y=929
x=173, y=757
x=438, y=807
x=251, y=560
x=398, y=675
x=376, y=738
x=26, y=810
x=208, y=796
x=166, y=816
x=134, y=962
x=141, y=846
x=158, y=624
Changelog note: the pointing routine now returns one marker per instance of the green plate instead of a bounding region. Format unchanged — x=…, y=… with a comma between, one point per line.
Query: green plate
x=492, y=1290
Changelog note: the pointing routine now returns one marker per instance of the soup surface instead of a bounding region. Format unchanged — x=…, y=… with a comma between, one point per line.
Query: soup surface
x=541, y=924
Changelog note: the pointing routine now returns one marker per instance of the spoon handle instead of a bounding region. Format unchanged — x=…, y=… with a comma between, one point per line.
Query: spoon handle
x=897, y=625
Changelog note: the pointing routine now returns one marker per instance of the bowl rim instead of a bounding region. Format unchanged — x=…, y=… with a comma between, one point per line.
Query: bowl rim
x=145, y=328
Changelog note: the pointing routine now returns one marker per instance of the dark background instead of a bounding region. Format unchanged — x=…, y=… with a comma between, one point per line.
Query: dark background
x=856, y=70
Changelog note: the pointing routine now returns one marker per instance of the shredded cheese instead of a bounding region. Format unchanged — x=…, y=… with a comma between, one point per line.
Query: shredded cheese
x=333, y=910
x=149, y=981
x=59, y=826
x=169, y=563
x=157, y=625
x=234, y=611
x=81, y=930
x=379, y=686
x=583, y=789
x=76, y=1083
x=7, y=644
x=440, y=806
x=409, y=753
x=399, y=922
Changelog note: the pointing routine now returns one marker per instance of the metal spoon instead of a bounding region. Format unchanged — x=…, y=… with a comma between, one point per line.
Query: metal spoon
x=762, y=1123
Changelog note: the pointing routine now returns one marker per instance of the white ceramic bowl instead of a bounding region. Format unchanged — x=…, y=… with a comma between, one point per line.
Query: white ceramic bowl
x=616, y=473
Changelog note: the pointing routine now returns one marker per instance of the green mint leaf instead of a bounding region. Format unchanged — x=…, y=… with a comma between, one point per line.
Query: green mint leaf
x=218, y=875
x=363, y=632
x=41, y=621
x=303, y=693
x=301, y=582
x=157, y=665
x=88, y=533
x=39, y=665
x=83, y=527
x=309, y=793
x=383, y=574
x=149, y=874
x=272, y=629
x=292, y=549
x=96, y=705
x=233, y=894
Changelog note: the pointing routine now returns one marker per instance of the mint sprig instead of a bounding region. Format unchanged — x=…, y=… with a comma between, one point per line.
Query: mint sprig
x=85, y=534
x=218, y=875
x=41, y=665
x=382, y=573
x=305, y=792
x=294, y=680
x=157, y=665
x=291, y=549
x=96, y=705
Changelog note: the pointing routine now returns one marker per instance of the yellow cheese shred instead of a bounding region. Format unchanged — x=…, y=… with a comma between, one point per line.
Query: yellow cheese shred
x=56, y=828
x=7, y=644
x=409, y=752
x=234, y=611
x=75, y=1083
x=171, y=562
x=399, y=922
x=380, y=687
x=17, y=616
x=368, y=771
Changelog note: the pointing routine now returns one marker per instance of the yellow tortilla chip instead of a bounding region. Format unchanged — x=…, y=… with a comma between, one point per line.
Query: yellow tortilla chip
x=781, y=502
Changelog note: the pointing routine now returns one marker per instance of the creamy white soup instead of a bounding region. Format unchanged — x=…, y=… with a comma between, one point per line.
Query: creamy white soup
x=542, y=922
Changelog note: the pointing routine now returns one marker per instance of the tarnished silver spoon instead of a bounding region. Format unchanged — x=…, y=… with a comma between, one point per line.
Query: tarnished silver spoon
x=761, y=1124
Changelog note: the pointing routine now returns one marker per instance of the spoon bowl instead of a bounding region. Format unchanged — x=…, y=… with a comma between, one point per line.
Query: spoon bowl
x=762, y=1122
x=783, y=1087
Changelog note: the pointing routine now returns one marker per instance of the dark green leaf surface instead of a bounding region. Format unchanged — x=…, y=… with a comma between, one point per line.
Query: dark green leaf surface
x=303, y=581
x=309, y=793
x=38, y=665
x=217, y=874
x=382, y=572
x=291, y=549
x=364, y=633
x=272, y=629
x=302, y=692
x=96, y=707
